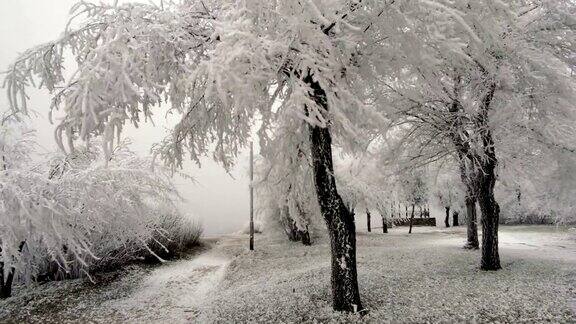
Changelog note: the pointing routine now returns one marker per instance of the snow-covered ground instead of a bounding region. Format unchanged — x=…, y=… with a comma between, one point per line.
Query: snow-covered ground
x=422, y=277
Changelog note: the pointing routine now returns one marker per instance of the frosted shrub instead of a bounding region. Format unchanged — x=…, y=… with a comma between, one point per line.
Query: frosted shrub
x=177, y=232
x=134, y=205
x=84, y=214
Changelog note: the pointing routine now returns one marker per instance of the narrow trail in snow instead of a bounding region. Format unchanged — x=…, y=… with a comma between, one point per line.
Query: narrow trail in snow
x=173, y=293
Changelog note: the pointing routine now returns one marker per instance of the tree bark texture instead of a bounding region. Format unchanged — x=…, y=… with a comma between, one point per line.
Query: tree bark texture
x=447, y=218
x=490, y=215
x=486, y=181
x=339, y=220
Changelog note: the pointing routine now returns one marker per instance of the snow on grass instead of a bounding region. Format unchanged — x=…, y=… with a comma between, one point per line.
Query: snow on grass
x=423, y=277
x=118, y=296
x=70, y=300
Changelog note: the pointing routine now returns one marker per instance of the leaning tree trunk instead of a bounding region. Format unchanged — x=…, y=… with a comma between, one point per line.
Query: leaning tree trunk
x=472, y=224
x=411, y=220
x=368, y=220
x=489, y=208
x=447, y=218
x=339, y=220
x=486, y=181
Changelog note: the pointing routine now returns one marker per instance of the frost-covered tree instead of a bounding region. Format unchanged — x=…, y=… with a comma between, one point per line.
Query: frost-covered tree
x=220, y=65
x=365, y=186
x=15, y=145
x=284, y=184
x=477, y=70
x=413, y=190
x=538, y=183
x=448, y=192
x=81, y=213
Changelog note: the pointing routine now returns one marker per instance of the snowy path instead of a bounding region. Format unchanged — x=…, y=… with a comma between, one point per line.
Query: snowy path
x=173, y=293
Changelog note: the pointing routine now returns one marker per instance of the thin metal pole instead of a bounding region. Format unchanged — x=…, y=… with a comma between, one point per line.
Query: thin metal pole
x=251, y=197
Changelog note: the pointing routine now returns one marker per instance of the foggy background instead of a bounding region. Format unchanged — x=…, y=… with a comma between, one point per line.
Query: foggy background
x=218, y=199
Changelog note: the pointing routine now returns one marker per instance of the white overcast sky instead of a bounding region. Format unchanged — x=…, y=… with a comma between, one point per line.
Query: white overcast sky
x=219, y=200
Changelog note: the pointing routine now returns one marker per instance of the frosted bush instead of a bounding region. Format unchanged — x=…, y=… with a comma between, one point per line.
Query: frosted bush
x=84, y=213
x=177, y=232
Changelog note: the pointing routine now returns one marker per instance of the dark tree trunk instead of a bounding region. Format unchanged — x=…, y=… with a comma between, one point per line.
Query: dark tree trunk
x=486, y=181
x=339, y=220
x=467, y=175
x=406, y=209
x=447, y=218
x=2, y=278
x=490, y=212
x=455, y=218
x=411, y=220
x=6, y=285
x=368, y=220
x=490, y=216
x=472, y=224
x=305, y=236
x=6, y=282
x=384, y=225
x=3, y=293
